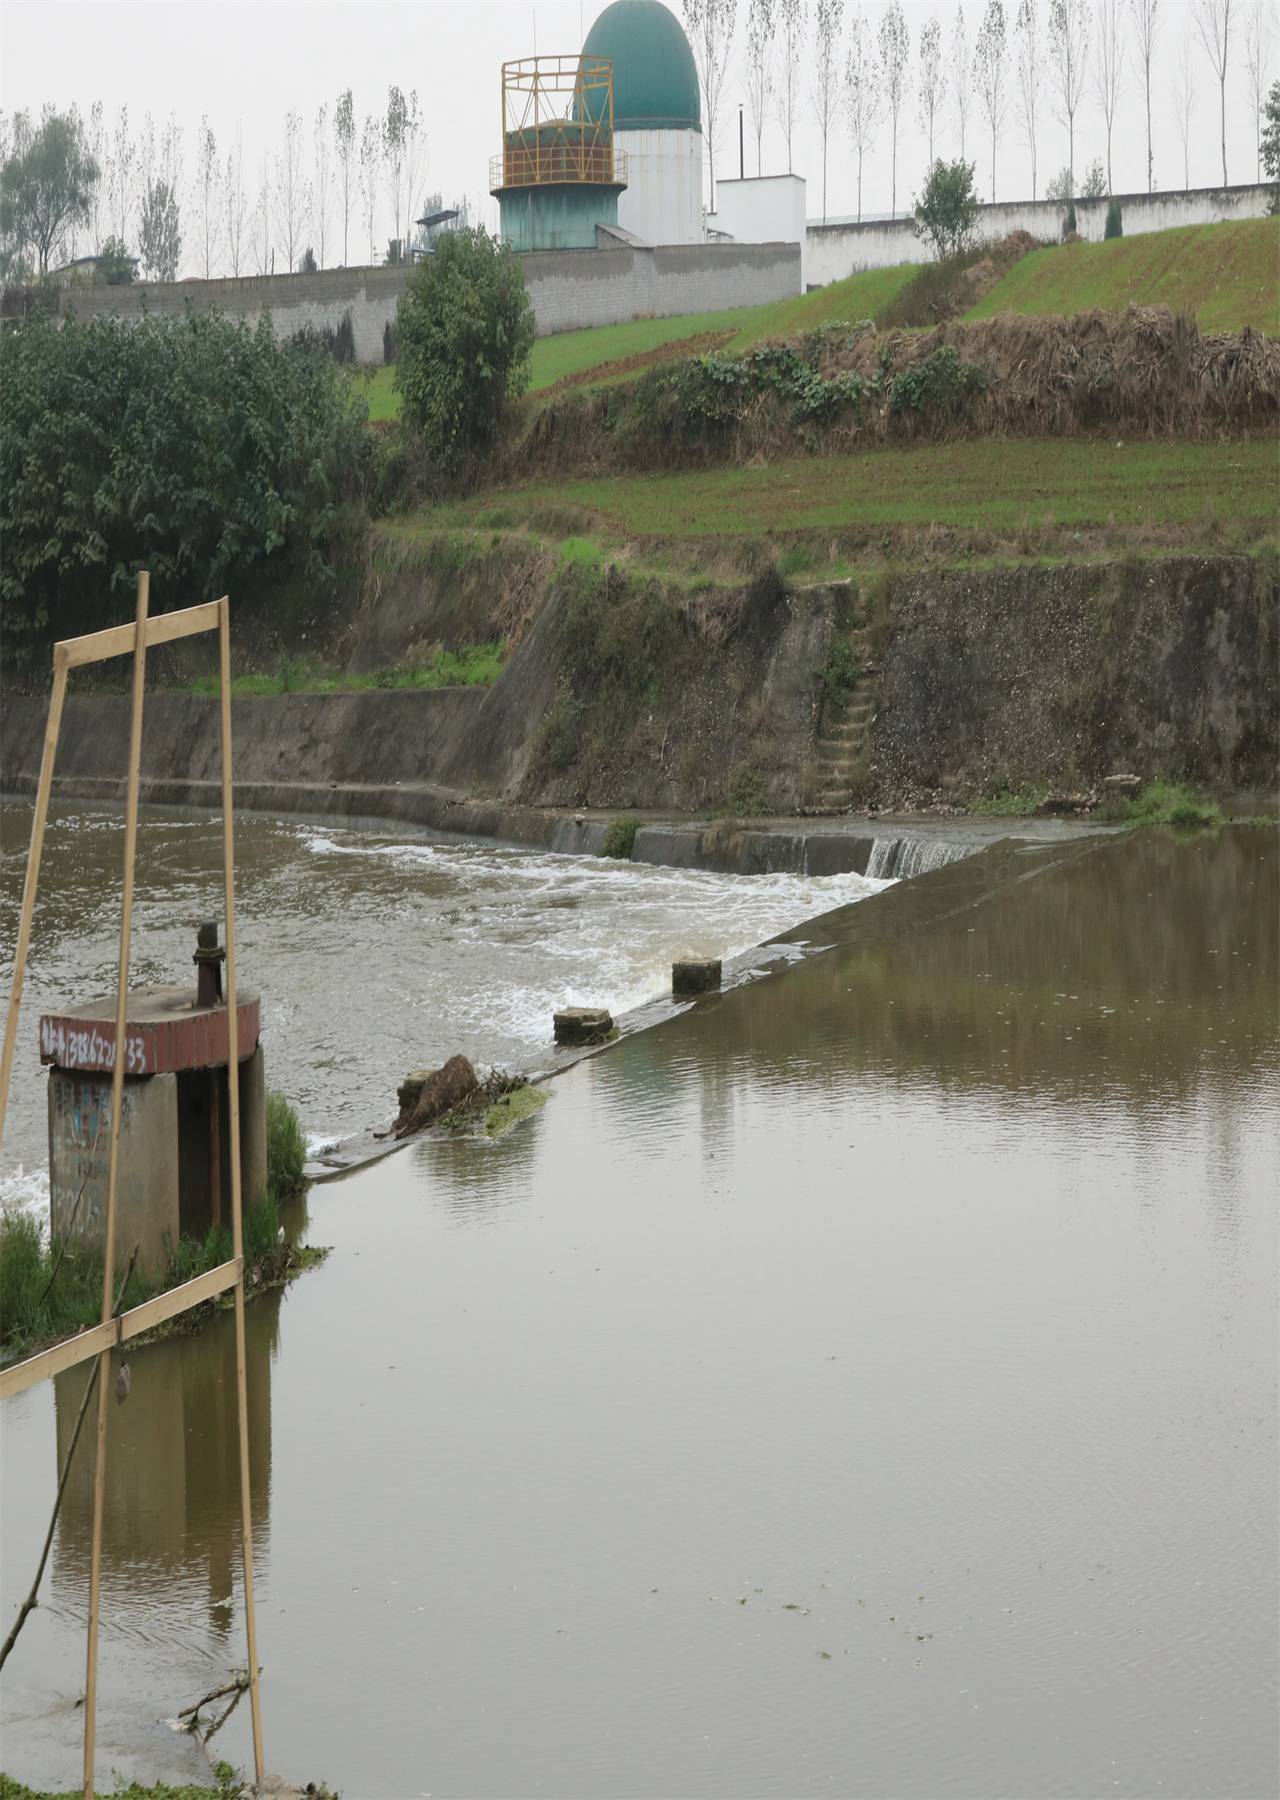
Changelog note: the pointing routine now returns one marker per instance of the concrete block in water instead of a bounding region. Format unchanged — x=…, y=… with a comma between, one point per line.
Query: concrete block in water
x=579, y=1025
x=695, y=976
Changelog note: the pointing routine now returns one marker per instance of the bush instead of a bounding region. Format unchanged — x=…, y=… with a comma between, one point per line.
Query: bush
x=115, y=267
x=464, y=328
x=1115, y=221
x=948, y=209
x=748, y=797
x=286, y=1148
x=940, y=384
x=195, y=447
x=1069, y=221
x=1094, y=185
x=390, y=348
x=620, y=838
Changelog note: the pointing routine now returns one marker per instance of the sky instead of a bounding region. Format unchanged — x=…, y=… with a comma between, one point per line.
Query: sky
x=244, y=63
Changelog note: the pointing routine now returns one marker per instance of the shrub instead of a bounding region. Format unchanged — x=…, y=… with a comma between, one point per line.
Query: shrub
x=195, y=447
x=948, y=209
x=620, y=838
x=1115, y=221
x=286, y=1147
x=1069, y=220
x=748, y=796
x=115, y=267
x=465, y=330
x=940, y=383
x=390, y=347
x=1094, y=185
x=308, y=264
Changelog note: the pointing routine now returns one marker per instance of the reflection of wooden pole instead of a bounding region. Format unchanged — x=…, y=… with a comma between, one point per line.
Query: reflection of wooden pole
x=233, y=1153
x=215, y=1149
x=113, y=1169
x=33, y=872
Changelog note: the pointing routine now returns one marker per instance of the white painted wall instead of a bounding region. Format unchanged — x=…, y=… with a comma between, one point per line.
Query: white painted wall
x=662, y=201
x=762, y=209
x=842, y=247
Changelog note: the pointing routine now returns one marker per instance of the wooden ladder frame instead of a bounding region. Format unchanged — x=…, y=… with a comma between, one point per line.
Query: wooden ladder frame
x=114, y=1330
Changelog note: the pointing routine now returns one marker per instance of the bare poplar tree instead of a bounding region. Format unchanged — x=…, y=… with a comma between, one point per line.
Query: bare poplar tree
x=895, y=56
x=862, y=91
x=292, y=196
x=1069, y=62
x=262, y=222
x=321, y=179
x=1144, y=14
x=1259, y=28
x=961, y=75
x=933, y=79
x=989, y=74
x=710, y=26
x=208, y=198
x=124, y=157
x=1108, y=69
x=791, y=30
x=1184, y=105
x=415, y=161
x=1030, y=72
x=370, y=176
x=394, y=126
x=344, y=133
x=828, y=17
x=1213, y=24
x=97, y=140
x=237, y=206
x=760, y=22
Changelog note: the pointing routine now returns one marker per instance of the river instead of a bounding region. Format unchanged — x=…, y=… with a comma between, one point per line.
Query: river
x=863, y=1382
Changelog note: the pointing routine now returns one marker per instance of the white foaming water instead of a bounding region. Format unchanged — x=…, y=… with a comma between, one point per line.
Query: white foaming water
x=375, y=954
x=896, y=859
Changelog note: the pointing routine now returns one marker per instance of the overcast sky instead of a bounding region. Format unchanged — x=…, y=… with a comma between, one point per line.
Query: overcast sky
x=245, y=62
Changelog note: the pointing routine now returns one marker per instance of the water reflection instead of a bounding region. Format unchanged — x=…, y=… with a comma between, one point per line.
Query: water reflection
x=171, y=1527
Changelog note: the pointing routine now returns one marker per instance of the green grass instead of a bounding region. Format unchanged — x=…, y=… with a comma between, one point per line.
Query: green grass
x=978, y=484
x=1161, y=803
x=1226, y=275
x=475, y=665
x=380, y=396
x=228, y=1786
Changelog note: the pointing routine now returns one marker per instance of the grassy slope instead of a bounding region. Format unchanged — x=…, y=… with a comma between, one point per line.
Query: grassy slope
x=1225, y=274
x=569, y=353
x=973, y=485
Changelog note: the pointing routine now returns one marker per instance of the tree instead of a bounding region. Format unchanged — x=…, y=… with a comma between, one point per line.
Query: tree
x=933, y=79
x=895, y=52
x=308, y=265
x=710, y=27
x=394, y=129
x=160, y=232
x=1069, y=62
x=760, y=22
x=1030, y=73
x=947, y=211
x=208, y=197
x=415, y=149
x=237, y=205
x=97, y=142
x=262, y=213
x=1184, y=105
x=1144, y=14
x=828, y=17
x=791, y=23
x=961, y=75
x=862, y=91
x=370, y=165
x=1095, y=184
x=1259, y=26
x=1061, y=186
x=47, y=187
x=124, y=153
x=292, y=196
x=1108, y=68
x=989, y=74
x=115, y=265
x=465, y=331
x=320, y=184
x=344, y=133
x=1270, y=144
x=1213, y=24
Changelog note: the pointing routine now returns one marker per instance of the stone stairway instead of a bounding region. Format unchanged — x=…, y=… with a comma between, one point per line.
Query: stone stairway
x=844, y=728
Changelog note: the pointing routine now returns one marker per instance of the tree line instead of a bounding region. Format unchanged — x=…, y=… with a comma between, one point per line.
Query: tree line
x=1028, y=60
x=72, y=186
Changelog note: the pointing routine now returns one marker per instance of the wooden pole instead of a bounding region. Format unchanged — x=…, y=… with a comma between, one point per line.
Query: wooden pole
x=43, y=787
x=113, y=1170
x=233, y=1152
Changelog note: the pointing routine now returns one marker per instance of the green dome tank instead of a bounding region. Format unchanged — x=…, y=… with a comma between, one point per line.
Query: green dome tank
x=655, y=81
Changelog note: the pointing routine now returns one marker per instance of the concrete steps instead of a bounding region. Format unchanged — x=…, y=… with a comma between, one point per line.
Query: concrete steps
x=844, y=730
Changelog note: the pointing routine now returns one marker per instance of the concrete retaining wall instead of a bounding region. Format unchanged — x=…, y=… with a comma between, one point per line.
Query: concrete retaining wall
x=843, y=247
x=568, y=289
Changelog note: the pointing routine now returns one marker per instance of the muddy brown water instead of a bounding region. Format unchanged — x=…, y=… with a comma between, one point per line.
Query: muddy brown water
x=862, y=1383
